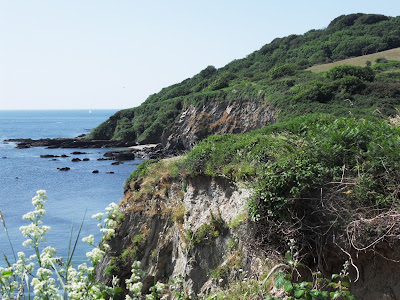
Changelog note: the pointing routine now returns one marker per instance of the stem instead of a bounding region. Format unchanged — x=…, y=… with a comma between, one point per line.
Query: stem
x=8, y=236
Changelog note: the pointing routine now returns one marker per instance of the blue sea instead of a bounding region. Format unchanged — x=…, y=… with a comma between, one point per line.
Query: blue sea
x=70, y=193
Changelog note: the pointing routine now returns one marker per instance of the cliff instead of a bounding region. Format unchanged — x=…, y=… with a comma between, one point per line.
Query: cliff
x=196, y=123
x=221, y=218
x=185, y=230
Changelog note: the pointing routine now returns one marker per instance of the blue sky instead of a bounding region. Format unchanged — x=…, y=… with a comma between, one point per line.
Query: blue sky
x=88, y=54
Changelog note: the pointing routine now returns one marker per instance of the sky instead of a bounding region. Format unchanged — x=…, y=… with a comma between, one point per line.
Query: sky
x=100, y=54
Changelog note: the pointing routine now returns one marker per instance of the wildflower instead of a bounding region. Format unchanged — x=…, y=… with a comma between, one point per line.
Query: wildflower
x=98, y=216
x=89, y=239
x=95, y=255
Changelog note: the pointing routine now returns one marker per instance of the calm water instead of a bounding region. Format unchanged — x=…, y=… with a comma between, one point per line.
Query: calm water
x=70, y=194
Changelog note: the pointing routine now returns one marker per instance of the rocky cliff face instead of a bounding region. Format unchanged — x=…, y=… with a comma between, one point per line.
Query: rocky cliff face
x=195, y=232
x=199, y=236
x=196, y=123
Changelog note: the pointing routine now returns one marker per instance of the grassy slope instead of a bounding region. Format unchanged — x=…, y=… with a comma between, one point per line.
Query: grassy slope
x=392, y=54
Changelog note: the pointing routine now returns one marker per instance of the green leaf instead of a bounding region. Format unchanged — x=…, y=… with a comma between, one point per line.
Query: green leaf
x=289, y=259
x=346, y=284
x=288, y=286
x=299, y=293
x=303, y=284
x=279, y=281
x=7, y=273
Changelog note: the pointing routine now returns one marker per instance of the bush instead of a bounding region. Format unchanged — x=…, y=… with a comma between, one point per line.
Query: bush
x=284, y=70
x=363, y=73
x=316, y=91
x=349, y=84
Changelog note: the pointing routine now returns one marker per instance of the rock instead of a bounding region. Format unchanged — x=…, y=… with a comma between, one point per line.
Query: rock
x=116, y=163
x=120, y=155
x=102, y=158
x=151, y=151
x=110, y=172
x=64, y=155
x=48, y=156
x=75, y=159
x=86, y=159
x=64, y=169
x=23, y=146
x=95, y=171
x=196, y=123
x=78, y=153
x=80, y=143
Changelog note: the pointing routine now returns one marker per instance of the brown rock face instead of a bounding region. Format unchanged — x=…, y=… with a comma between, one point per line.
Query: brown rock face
x=196, y=123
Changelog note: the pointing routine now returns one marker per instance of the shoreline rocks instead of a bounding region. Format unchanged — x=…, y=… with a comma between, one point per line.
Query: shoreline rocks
x=64, y=169
x=150, y=151
x=120, y=155
x=69, y=143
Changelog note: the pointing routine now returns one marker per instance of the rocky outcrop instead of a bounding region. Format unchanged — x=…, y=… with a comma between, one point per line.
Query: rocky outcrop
x=69, y=143
x=196, y=123
x=196, y=231
x=120, y=155
x=177, y=234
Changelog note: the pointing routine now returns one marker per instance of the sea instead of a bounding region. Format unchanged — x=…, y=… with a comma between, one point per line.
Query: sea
x=73, y=196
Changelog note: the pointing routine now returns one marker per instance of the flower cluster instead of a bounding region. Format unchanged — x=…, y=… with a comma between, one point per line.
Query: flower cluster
x=133, y=284
x=107, y=225
x=50, y=277
x=35, y=231
x=46, y=272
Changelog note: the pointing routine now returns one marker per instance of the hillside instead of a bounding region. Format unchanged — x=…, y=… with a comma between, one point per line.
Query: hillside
x=360, y=61
x=306, y=207
x=313, y=201
x=273, y=81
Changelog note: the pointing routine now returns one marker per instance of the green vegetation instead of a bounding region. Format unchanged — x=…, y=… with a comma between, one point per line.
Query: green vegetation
x=331, y=161
x=130, y=254
x=312, y=177
x=206, y=233
x=277, y=73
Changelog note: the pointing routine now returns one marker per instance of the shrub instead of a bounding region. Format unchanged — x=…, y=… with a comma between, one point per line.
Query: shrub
x=349, y=84
x=363, y=73
x=284, y=70
x=316, y=91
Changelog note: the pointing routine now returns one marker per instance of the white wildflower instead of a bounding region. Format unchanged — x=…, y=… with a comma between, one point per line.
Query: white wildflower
x=89, y=239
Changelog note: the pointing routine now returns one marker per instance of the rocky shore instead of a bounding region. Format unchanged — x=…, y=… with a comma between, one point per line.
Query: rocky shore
x=69, y=143
x=133, y=150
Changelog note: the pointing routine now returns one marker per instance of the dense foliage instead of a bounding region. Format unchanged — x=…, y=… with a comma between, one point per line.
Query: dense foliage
x=276, y=72
x=312, y=173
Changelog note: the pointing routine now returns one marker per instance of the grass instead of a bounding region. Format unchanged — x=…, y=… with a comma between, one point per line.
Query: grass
x=392, y=54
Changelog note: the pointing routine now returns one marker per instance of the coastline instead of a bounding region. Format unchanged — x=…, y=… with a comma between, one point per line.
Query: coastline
x=145, y=151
